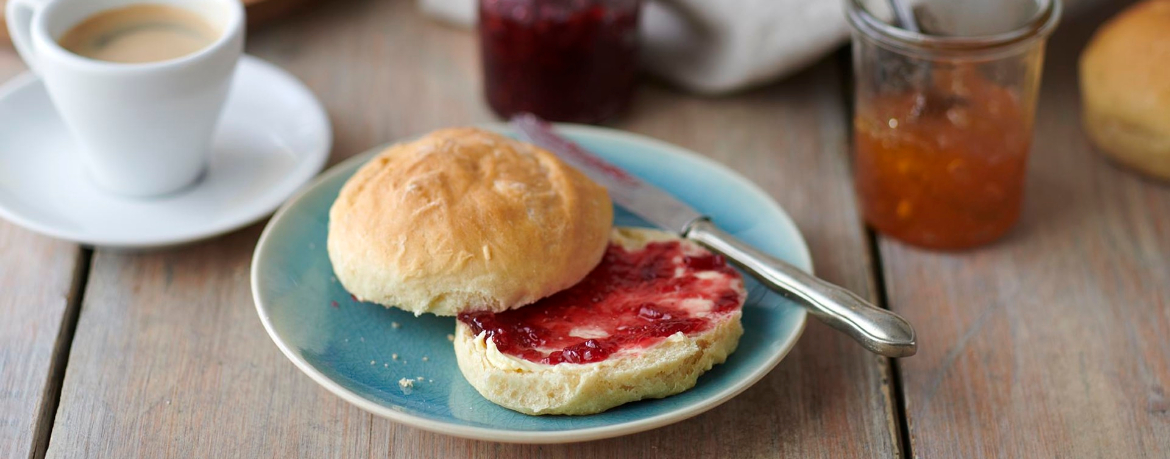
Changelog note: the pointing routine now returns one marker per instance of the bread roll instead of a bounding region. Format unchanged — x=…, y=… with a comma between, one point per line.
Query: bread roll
x=666, y=364
x=466, y=219
x=1125, y=88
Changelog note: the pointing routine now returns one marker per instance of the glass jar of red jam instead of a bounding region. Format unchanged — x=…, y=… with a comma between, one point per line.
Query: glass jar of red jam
x=563, y=60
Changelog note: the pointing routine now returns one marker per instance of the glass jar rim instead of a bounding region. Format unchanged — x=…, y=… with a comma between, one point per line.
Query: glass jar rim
x=1040, y=25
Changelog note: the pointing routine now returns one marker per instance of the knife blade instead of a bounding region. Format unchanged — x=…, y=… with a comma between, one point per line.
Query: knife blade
x=876, y=329
x=645, y=200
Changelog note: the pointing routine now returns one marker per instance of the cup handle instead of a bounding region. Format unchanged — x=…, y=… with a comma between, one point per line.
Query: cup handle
x=19, y=15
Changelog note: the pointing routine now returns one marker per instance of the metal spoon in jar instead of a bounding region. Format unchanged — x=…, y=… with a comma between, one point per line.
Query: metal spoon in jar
x=931, y=100
x=904, y=16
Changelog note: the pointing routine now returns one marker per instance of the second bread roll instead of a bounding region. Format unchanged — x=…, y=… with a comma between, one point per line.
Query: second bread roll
x=1125, y=87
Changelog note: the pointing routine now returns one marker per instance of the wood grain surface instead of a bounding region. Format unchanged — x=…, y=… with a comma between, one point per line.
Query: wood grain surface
x=169, y=359
x=37, y=279
x=1054, y=342
x=37, y=306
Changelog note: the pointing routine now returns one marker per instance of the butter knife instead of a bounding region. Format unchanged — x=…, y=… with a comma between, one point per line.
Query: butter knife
x=876, y=329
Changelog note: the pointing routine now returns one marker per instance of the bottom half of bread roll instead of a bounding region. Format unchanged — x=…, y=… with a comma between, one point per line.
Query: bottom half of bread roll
x=653, y=316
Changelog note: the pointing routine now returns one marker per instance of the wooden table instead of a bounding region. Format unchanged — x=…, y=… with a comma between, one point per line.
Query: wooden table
x=1054, y=342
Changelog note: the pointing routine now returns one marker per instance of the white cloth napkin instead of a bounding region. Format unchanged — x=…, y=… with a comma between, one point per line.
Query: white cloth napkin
x=717, y=46
x=711, y=46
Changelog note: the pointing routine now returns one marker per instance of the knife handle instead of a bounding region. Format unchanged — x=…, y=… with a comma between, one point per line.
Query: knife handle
x=879, y=330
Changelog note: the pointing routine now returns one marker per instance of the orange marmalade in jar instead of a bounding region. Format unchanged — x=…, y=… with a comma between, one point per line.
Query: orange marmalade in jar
x=943, y=120
x=944, y=168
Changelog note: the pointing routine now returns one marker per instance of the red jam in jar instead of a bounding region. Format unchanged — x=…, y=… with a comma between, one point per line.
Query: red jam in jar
x=563, y=60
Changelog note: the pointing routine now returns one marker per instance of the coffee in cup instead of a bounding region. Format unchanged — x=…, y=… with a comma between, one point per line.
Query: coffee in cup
x=139, y=33
x=139, y=83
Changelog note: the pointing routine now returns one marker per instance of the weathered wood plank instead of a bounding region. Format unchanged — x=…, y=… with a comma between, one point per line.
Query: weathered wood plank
x=38, y=304
x=1054, y=342
x=37, y=276
x=170, y=361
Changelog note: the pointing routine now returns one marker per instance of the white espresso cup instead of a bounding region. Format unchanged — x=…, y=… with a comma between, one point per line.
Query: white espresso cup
x=144, y=129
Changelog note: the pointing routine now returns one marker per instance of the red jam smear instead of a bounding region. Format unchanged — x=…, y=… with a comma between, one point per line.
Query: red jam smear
x=634, y=297
x=564, y=60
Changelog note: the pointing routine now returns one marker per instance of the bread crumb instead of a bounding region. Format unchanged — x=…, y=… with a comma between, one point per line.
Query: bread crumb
x=430, y=380
x=420, y=378
x=406, y=384
x=386, y=365
x=395, y=324
x=394, y=356
x=450, y=337
x=372, y=362
x=426, y=359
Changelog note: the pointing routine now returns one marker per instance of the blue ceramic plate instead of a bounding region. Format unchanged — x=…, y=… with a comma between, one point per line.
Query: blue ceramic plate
x=360, y=351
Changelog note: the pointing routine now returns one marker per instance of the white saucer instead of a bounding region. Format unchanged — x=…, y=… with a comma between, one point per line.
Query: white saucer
x=273, y=137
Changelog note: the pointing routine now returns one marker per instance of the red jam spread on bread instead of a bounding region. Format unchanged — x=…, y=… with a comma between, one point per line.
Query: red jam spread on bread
x=631, y=300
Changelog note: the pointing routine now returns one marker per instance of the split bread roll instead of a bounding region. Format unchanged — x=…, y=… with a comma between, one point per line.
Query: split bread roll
x=1125, y=87
x=634, y=370
x=466, y=219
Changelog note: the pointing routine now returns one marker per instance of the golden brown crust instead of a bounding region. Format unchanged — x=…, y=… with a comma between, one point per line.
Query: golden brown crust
x=1125, y=87
x=466, y=219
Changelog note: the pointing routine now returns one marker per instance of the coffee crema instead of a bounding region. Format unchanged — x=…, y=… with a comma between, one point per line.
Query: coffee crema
x=139, y=33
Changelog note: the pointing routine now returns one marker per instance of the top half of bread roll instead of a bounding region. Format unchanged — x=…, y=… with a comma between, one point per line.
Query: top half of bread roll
x=466, y=219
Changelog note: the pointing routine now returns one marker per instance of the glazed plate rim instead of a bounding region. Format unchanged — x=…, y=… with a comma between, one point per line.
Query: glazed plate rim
x=504, y=435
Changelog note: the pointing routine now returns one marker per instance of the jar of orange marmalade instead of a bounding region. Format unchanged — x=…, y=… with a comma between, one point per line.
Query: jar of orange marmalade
x=943, y=117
